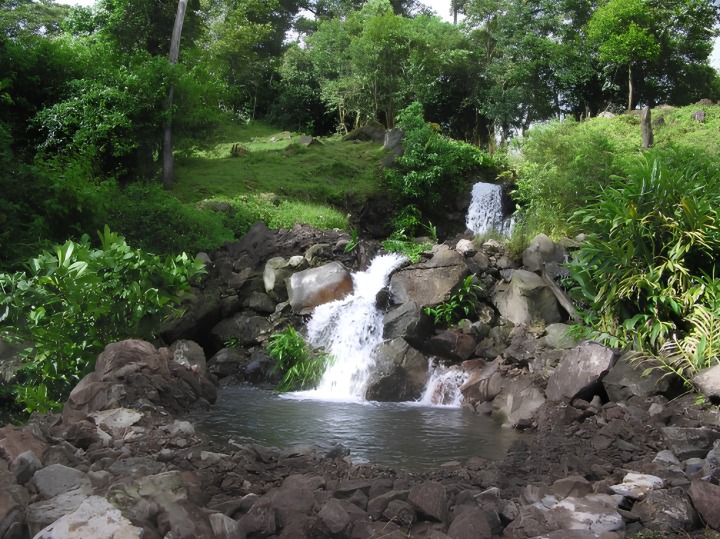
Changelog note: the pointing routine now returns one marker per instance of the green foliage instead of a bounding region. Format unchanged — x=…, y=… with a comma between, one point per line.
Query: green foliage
x=301, y=367
x=463, y=303
x=354, y=240
x=76, y=299
x=652, y=244
x=407, y=225
x=432, y=168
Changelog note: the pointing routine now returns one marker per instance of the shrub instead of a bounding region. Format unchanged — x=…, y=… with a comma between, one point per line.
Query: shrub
x=300, y=366
x=75, y=300
x=649, y=262
x=462, y=304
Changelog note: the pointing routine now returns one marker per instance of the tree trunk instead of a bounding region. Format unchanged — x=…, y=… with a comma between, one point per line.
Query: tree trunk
x=630, y=86
x=168, y=158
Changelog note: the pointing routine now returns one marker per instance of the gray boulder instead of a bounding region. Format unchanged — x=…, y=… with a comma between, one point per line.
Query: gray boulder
x=541, y=252
x=315, y=286
x=626, y=379
x=95, y=517
x=708, y=382
x=526, y=299
x=430, y=499
x=483, y=384
x=400, y=375
x=580, y=372
x=517, y=404
x=242, y=329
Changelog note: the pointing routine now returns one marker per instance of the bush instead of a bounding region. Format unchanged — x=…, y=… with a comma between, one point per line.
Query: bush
x=75, y=300
x=432, y=168
x=647, y=269
x=300, y=366
x=462, y=304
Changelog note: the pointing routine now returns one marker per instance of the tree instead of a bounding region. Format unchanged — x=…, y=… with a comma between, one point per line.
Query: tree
x=168, y=159
x=622, y=32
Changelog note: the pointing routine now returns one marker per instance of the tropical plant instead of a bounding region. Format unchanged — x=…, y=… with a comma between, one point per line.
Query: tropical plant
x=300, y=366
x=653, y=239
x=463, y=303
x=76, y=299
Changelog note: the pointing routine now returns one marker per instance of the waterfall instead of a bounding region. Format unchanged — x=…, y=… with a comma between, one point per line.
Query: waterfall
x=485, y=211
x=443, y=387
x=349, y=330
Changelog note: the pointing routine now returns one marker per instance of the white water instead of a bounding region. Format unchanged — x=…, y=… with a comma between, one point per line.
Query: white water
x=349, y=330
x=443, y=387
x=485, y=212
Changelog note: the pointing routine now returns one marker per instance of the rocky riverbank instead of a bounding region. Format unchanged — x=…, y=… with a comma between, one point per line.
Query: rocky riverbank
x=612, y=454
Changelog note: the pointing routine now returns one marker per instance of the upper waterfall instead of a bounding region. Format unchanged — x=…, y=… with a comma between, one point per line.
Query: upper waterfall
x=485, y=212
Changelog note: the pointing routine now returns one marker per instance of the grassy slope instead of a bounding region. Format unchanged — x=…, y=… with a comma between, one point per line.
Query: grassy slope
x=337, y=174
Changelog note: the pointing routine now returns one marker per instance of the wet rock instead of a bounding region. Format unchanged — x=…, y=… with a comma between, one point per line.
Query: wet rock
x=400, y=373
x=312, y=287
x=527, y=299
x=452, y=344
x=398, y=319
x=429, y=283
x=483, y=384
x=95, y=517
x=580, y=372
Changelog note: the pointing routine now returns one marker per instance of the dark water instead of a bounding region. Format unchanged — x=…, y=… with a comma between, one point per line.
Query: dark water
x=403, y=435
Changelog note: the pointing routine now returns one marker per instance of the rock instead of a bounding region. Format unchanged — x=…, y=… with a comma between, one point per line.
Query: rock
x=277, y=270
x=626, y=379
x=400, y=373
x=484, y=382
x=16, y=440
x=518, y=403
x=115, y=420
x=666, y=511
x=595, y=513
x=306, y=140
x=260, y=519
x=393, y=145
x=580, y=372
x=42, y=514
x=372, y=131
x=95, y=518
x=399, y=318
x=471, y=523
x=429, y=283
x=56, y=479
x=260, y=303
x=452, y=344
x=340, y=516
x=224, y=527
x=527, y=299
x=541, y=251
x=466, y=248
x=241, y=330
x=190, y=354
x=400, y=512
x=707, y=381
x=378, y=504
x=556, y=337
x=687, y=442
x=24, y=467
x=430, y=499
x=706, y=499
x=574, y=486
x=635, y=485
x=228, y=361
x=315, y=286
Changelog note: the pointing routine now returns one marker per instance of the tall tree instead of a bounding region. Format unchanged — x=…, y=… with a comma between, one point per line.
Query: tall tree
x=622, y=32
x=168, y=158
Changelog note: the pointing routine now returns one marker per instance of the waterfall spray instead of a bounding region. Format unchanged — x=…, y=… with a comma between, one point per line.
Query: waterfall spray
x=485, y=211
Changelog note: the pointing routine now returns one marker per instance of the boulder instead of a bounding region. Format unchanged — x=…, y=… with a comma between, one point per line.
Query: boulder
x=315, y=286
x=228, y=361
x=627, y=379
x=372, y=131
x=16, y=440
x=276, y=271
x=429, y=283
x=707, y=381
x=483, y=384
x=398, y=319
x=542, y=251
x=527, y=299
x=580, y=372
x=307, y=140
x=471, y=523
x=635, y=485
x=43, y=513
x=517, y=404
x=430, y=499
x=706, y=499
x=400, y=375
x=689, y=442
x=243, y=329
x=452, y=344
x=95, y=517
x=667, y=511
x=190, y=354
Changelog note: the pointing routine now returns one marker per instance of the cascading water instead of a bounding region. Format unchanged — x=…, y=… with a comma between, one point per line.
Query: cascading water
x=349, y=330
x=485, y=211
x=443, y=387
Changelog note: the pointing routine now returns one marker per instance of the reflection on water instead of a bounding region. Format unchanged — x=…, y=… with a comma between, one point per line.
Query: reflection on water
x=402, y=435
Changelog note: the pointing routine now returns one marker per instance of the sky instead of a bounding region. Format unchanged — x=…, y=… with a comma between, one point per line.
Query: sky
x=442, y=8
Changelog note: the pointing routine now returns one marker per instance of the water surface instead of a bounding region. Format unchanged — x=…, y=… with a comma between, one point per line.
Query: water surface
x=404, y=435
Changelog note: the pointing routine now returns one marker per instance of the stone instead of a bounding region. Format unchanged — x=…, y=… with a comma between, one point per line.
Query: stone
x=24, y=467
x=666, y=511
x=190, y=354
x=635, y=485
x=227, y=362
x=574, y=486
x=400, y=373
x=224, y=527
x=400, y=512
x=260, y=303
x=95, y=518
x=315, y=286
x=580, y=372
x=307, y=140
x=527, y=299
x=42, y=514
x=16, y=440
x=398, y=319
x=13, y=501
x=541, y=251
x=429, y=283
x=57, y=479
x=377, y=504
x=556, y=337
x=275, y=273
x=484, y=382
x=340, y=515
x=626, y=380
x=241, y=329
x=430, y=499
x=706, y=499
x=518, y=403
x=466, y=248
x=470, y=523
x=259, y=519
x=452, y=344
x=115, y=419
x=707, y=381
x=688, y=442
